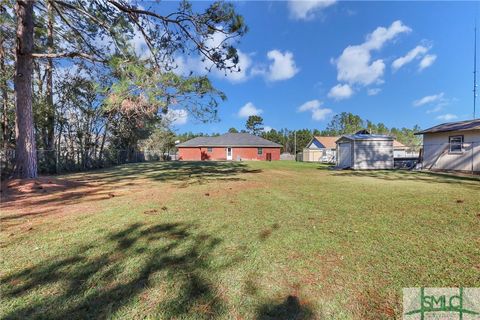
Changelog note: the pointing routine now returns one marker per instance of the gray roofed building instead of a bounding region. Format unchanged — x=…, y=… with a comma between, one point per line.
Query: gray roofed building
x=453, y=126
x=361, y=136
x=365, y=151
x=453, y=146
x=230, y=140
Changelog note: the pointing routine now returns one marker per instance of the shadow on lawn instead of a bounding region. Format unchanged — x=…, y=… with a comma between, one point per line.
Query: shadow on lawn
x=397, y=175
x=101, y=184
x=162, y=270
x=180, y=171
x=290, y=309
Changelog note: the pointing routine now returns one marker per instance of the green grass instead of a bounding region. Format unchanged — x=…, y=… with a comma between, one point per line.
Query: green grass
x=255, y=240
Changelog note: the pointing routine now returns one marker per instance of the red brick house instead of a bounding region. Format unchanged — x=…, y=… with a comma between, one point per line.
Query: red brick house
x=230, y=146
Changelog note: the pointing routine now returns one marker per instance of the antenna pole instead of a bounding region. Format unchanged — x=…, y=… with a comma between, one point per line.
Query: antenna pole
x=475, y=70
x=295, y=134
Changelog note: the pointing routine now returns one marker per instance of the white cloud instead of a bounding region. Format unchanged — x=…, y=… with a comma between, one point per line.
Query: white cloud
x=177, y=116
x=320, y=114
x=354, y=65
x=140, y=46
x=200, y=66
x=437, y=102
x=415, y=53
x=373, y=91
x=248, y=110
x=267, y=128
x=310, y=105
x=244, y=64
x=314, y=106
x=447, y=117
x=282, y=68
x=340, y=92
x=437, y=108
x=429, y=99
x=196, y=65
x=427, y=61
x=216, y=39
x=305, y=10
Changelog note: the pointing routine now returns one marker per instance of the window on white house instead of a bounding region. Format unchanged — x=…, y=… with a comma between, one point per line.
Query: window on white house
x=456, y=144
x=260, y=151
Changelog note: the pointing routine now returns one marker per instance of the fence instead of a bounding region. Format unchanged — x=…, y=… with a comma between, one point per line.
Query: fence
x=63, y=161
x=456, y=155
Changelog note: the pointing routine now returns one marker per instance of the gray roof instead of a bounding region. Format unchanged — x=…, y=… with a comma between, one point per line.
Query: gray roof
x=230, y=140
x=454, y=126
x=381, y=137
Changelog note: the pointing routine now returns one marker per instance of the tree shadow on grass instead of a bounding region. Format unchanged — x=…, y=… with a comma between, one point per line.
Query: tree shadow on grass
x=292, y=307
x=102, y=184
x=173, y=171
x=289, y=309
x=402, y=175
x=139, y=261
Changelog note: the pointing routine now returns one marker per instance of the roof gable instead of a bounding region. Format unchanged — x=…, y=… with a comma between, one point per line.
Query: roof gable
x=230, y=140
x=324, y=142
x=453, y=126
x=380, y=137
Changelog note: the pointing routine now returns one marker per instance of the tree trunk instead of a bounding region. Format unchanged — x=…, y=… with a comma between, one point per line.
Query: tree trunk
x=25, y=151
x=103, y=143
x=4, y=86
x=50, y=125
x=58, y=150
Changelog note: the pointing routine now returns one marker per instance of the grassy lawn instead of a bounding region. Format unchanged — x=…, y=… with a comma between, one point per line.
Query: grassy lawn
x=255, y=240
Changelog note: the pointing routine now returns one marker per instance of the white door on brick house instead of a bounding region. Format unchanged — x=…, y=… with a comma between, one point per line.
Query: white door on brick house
x=229, y=153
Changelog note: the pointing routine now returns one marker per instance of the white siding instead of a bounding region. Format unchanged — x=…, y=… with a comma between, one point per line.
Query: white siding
x=319, y=155
x=312, y=155
x=399, y=153
x=436, y=151
x=344, y=154
x=373, y=154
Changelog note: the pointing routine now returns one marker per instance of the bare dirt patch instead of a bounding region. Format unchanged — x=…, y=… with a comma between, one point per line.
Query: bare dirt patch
x=19, y=189
x=33, y=201
x=27, y=200
x=371, y=304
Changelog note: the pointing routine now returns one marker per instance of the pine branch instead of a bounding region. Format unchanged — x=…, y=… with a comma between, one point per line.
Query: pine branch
x=67, y=55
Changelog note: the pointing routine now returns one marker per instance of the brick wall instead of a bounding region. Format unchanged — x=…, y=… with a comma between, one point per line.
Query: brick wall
x=220, y=153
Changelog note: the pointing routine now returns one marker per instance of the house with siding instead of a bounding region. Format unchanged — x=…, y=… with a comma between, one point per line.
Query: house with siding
x=321, y=149
x=452, y=146
x=230, y=146
x=365, y=151
x=399, y=149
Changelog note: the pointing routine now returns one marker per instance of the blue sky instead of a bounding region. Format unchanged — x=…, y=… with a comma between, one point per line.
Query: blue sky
x=400, y=63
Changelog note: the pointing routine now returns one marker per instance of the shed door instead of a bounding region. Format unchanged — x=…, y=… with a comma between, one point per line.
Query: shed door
x=345, y=155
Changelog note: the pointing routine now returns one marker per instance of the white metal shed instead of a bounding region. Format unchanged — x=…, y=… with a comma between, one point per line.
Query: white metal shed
x=365, y=151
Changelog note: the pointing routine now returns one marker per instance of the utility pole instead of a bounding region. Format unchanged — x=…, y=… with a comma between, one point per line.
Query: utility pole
x=295, y=135
x=475, y=70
